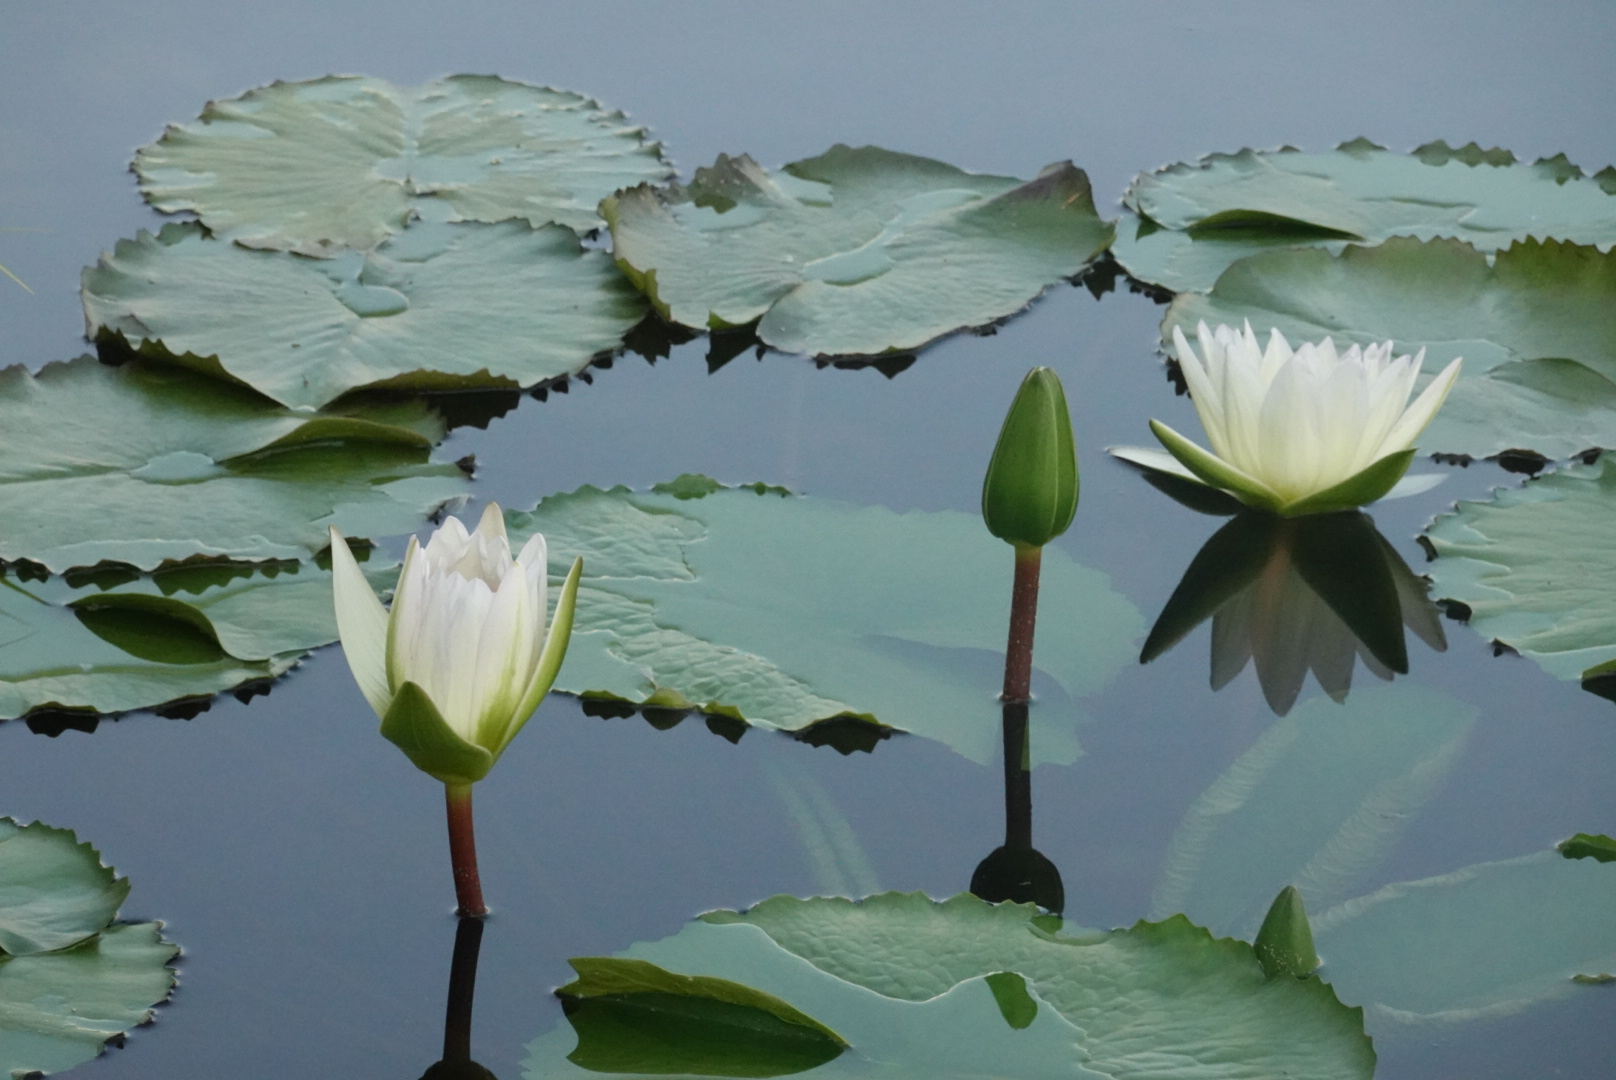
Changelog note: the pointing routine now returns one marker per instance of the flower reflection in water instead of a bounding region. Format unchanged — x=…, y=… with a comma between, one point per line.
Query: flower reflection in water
x=1293, y=595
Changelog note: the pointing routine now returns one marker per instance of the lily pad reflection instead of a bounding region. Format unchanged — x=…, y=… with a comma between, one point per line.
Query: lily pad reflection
x=788, y=612
x=964, y=988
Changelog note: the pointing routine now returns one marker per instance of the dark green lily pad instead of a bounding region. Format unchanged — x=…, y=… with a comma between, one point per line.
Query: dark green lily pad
x=346, y=162
x=1535, y=566
x=69, y=981
x=1536, y=328
x=786, y=612
x=141, y=465
x=1595, y=846
x=1185, y=224
x=911, y=985
x=855, y=252
x=436, y=307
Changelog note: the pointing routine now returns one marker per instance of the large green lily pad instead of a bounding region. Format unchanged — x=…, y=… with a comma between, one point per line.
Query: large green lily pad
x=965, y=988
x=69, y=981
x=141, y=465
x=436, y=307
x=786, y=611
x=1536, y=328
x=855, y=252
x=1186, y=223
x=339, y=162
x=1535, y=566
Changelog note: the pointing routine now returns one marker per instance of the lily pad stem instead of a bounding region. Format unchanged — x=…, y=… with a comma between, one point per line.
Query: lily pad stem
x=463, y=853
x=1023, y=616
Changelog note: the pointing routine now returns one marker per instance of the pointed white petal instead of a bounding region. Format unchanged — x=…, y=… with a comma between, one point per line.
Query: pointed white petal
x=1407, y=429
x=362, y=625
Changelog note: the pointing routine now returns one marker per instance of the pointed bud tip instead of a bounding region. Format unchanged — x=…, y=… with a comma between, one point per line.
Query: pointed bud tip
x=1029, y=494
x=1284, y=945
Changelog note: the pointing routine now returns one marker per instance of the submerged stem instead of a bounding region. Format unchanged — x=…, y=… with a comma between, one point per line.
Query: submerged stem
x=463, y=853
x=1023, y=617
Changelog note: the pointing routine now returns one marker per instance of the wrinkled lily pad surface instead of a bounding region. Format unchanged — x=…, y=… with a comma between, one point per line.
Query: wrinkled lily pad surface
x=786, y=611
x=1537, y=330
x=1536, y=567
x=965, y=988
x=342, y=161
x=437, y=307
x=1186, y=223
x=68, y=980
x=855, y=252
x=140, y=465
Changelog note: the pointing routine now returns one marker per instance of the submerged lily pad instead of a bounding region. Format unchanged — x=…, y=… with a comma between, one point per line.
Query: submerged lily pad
x=141, y=465
x=965, y=988
x=437, y=307
x=787, y=612
x=855, y=252
x=1186, y=223
x=69, y=981
x=1535, y=566
x=346, y=162
x=1536, y=328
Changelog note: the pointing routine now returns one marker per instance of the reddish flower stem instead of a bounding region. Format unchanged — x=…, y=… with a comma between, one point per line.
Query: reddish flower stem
x=463, y=854
x=1023, y=618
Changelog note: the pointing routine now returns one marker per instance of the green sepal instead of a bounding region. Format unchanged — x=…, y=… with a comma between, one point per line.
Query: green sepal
x=414, y=725
x=1284, y=945
x=1359, y=489
x=555, y=651
x=1215, y=471
x=1029, y=494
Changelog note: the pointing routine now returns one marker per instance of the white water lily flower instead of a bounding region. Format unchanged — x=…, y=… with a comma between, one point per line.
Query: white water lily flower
x=1301, y=431
x=463, y=659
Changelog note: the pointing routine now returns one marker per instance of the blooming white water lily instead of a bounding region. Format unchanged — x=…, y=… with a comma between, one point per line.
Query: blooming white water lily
x=463, y=659
x=1302, y=431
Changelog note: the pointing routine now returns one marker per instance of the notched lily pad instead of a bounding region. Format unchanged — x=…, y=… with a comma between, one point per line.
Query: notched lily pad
x=788, y=612
x=338, y=162
x=142, y=465
x=438, y=307
x=69, y=981
x=1185, y=224
x=1536, y=568
x=855, y=252
x=1536, y=327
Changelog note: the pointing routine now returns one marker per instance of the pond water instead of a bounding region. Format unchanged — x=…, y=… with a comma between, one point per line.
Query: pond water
x=299, y=860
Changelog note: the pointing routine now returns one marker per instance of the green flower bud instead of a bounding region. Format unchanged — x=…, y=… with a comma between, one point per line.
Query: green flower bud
x=1030, y=492
x=1285, y=942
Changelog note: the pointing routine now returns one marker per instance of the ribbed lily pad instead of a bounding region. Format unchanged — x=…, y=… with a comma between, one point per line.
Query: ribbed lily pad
x=855, y=252
x=140, y=465
x=437, y=307
x=1188, y=222
x=345, y=162
x=69, y=981
x=930, y=989
x=1535, y=566
x=1536, y=328
x=786, y=611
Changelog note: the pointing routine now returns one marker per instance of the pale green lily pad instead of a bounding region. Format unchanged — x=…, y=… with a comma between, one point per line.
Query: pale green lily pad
x=346, y=162
x=1535, y=566
x=69, y=981
x=786, y=611
x=855, y=252
x=907, y=982
x=1186, y=223
x=436, y=307
x=1318, y=802
x=1536, y=328
x=141, y=465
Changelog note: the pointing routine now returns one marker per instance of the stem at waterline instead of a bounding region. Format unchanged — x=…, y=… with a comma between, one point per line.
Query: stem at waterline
x=463, y=854
x=462, y=987
x=1023, y=617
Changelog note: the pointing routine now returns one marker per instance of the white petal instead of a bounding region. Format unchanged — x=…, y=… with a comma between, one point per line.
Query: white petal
x=362, y=625
x=1203, y=394
x=1419, y=414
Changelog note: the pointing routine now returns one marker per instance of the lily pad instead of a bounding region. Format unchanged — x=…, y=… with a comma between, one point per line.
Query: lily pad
x=1186, y=223
x=855, y=252
x=141, y=465
x=69, y=981
x=910, y=984
x=1536, y=328
x=1535, y=567
x=346, y=162
x=787, y=612
x=436, y=307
